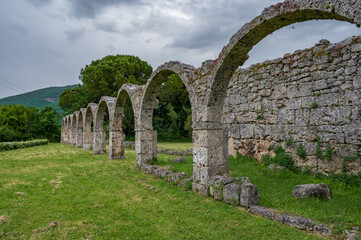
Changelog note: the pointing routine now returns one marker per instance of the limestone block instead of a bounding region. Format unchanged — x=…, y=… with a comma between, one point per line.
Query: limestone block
x=87, y=141
x=249, y=195
x=216, y=185
x=231, y=193
x=297, y=221
x=116, y=145
x=319, y=190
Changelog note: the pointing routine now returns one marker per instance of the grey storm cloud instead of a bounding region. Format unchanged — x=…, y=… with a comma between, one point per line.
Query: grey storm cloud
x=90, y=8
x=19, y=28
x=157, y=31
x=107, y=26
x=40, y=3
x=74, y=34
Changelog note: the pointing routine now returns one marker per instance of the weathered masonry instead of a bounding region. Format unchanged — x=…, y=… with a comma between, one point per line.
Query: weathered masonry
x=308, y=100
x=207, y=87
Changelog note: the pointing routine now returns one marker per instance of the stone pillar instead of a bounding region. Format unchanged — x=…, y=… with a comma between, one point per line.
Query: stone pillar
x=63, y=135
x=87, y=140
x=210, y=156
x=69, y=136
x=79, y=138
x=99, y=142
x=73, y=137
x=116, y=145
x=145, y=146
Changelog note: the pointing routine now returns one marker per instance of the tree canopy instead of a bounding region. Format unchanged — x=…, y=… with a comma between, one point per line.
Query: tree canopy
x=20, y=123
x=104, y=77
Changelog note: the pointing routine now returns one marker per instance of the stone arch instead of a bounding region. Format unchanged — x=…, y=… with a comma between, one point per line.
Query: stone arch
x=87, y=131
x=63, y=130
x=211, y=151
x=99, y=144
x=271, y=19
x=146, y=138
x=134, y=92
x=68, y=129
x=73, y=128
x=78, y=129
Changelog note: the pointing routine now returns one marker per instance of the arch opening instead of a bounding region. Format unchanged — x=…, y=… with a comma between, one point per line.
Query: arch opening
x=88, y=126
x=168, y=114
x=121, y=124
x=79, y=129
x=101, y=128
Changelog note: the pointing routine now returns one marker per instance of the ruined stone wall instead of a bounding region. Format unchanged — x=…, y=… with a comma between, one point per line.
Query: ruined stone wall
x=311, y=98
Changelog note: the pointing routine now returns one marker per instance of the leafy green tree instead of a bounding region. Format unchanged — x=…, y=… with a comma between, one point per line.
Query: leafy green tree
x=104, y=77
x=73, y=99
x=47, y=125
x=18, y=123
x=172, y=119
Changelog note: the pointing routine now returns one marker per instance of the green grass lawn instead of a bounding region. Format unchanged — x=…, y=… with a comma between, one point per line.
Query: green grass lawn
x=179, y=146
x=90, y=197
x=275, y=188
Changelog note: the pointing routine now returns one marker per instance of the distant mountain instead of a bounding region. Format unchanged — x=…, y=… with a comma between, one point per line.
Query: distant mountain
x=38, y=98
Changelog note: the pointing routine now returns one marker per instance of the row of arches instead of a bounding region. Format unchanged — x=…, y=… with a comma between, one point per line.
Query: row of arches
x=206, y=87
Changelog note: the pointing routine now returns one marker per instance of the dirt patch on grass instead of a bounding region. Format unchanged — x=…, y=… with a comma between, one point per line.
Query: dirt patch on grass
x=15, y=182
x=147, y=186
x=2, y=219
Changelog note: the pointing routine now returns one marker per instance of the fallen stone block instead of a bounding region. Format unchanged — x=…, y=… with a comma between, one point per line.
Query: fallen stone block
x=275, y=167
x=231, y=193
x=179, y=160
x=216, y=185
x=249, y=195
x=163, y=173
x=297, y=221
x=318, y=190
x=263, y=212
x=177, y=177
x=322, y=230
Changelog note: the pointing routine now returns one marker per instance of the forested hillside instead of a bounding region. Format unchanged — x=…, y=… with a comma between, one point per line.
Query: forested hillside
x=39, y=98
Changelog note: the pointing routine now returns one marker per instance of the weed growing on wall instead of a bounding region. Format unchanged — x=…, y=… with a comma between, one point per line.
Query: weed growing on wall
x=301, y=152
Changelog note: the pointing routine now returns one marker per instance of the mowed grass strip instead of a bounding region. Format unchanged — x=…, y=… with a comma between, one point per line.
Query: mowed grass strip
x=60, y=192
x=177, y=146
x=343, y=211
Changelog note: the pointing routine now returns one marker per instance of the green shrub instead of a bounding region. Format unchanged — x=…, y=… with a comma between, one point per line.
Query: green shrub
x=285, y=160
x=347, y=179
x=301, y=152
x=349, y=158
x=289, y=142
x=318, y=140
x=279, y=149
x=319, y=153
x=5, y=146
x=266, y=160
x=313, y=105
x=281, y=158
x=328, y=154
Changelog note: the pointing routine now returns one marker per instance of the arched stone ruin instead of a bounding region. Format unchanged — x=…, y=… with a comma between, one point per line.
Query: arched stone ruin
x=207, y=88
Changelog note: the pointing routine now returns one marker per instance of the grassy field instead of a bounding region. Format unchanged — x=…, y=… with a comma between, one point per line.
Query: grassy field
x=60, y=192
x=275, y=188
x=179, y=146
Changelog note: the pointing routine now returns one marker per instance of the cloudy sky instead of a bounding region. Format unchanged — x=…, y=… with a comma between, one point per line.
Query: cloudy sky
x=45, y=43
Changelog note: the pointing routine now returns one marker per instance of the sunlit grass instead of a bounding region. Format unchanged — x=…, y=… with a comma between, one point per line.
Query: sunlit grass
x=90, y=197
x=179, y=146
x=275, y=188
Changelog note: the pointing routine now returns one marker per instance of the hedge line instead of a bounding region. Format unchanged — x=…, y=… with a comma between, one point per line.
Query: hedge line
x=4, y=146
